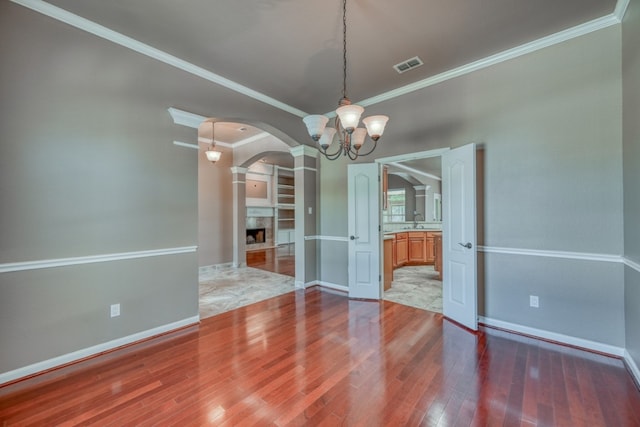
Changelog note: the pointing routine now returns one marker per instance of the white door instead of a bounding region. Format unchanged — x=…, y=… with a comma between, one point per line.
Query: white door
x=459, y=286
x=364, y=234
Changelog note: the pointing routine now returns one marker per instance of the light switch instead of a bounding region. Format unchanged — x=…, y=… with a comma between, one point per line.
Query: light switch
x=310, y=210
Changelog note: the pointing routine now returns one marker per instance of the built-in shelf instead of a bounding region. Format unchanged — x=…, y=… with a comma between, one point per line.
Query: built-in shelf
x=285, y=205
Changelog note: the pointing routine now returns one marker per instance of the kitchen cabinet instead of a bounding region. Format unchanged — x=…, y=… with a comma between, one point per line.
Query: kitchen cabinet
x=388, y=263
x=430, y=255
x=417, y=247
x=437, y=244
x=402, y=249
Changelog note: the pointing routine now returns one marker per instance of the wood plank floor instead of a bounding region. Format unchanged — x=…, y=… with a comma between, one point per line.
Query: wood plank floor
x=276, y=260
x=317, y=358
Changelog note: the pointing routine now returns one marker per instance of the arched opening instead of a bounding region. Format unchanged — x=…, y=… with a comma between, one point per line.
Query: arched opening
x=240, y=217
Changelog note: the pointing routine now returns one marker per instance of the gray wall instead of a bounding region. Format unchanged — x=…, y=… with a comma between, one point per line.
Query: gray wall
x=215, y=208
x=87, y=167
x=550, y=126
x=631, y=149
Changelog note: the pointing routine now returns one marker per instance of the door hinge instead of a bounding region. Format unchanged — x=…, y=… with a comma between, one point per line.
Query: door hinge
x=379, y=277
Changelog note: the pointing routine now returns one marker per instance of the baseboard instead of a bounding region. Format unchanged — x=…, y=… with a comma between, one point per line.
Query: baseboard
x=333, y=286
x=632, y=367
x=92, y=351
x=553, y=336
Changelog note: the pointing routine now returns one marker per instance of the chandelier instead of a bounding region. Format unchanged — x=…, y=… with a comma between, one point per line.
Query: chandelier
x=350, y=137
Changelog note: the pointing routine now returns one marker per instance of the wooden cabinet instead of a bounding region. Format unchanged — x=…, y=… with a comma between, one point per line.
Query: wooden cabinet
x=437, y=245
x=417, y=247
x=402, y=249
x=388, y=263
x=430, y=255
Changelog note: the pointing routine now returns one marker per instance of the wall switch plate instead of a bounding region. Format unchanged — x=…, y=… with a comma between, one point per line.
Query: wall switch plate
x=115, y=310
x=310, y=210
x=534, y=301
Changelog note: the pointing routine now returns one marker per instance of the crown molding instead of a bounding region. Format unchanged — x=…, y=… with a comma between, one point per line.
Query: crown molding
x=303, y=150
x=137, y=46
x=238, y=169
x=562, y=36
x=185, y=118
x=621, y=9
x=415, y=171
x=186, y=145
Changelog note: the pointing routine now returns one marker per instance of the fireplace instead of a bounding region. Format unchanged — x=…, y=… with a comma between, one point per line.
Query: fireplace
x=255, y=235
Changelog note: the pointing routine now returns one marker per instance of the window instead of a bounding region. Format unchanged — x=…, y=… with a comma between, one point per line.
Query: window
x=396, y=206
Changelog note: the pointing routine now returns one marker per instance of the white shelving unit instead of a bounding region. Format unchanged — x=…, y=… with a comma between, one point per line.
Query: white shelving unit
x=285, y=205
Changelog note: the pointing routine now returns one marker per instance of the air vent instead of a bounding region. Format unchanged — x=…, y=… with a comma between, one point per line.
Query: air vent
x=407, y=65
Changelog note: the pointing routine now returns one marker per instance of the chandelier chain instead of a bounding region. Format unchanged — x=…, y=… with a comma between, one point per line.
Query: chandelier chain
x=344, y=49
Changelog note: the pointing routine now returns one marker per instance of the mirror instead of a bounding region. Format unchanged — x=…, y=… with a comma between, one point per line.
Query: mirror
x=413, y=191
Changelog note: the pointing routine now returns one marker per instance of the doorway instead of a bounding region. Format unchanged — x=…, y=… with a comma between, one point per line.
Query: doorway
x=412, y=226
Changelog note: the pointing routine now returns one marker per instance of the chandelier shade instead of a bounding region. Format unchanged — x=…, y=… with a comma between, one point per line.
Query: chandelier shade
x=350, y=137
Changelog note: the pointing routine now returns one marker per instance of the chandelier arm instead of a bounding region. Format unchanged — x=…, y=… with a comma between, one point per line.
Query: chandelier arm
x=332, y=156
x=375, y=143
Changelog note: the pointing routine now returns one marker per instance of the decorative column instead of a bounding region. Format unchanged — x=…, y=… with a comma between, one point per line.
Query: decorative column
x=421, y=201
x=305, y=159
x=239, y=216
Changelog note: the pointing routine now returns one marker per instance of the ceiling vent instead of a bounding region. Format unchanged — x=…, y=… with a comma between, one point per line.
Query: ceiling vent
x=407, y=65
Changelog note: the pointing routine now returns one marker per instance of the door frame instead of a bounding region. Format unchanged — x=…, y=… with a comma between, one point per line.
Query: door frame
x=402, y=158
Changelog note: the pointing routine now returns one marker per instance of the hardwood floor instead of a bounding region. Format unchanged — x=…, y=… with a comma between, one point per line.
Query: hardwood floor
x=317, y=358
x=277, y=260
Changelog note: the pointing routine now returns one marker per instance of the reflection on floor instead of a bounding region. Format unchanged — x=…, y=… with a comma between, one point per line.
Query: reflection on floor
x=280, y=259
x=416, y=286
x=225, y=289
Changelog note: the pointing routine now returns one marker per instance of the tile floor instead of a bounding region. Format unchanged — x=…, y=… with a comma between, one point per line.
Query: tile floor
x=227, y=288
x=416, y=286
x=224, y=289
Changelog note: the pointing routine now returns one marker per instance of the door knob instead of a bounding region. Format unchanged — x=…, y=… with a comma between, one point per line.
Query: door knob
x=468, y=245
x=353, y=237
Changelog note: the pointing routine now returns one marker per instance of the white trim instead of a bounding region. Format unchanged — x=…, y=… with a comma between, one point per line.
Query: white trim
x=414, y=171
x=631, y=264
x=238, y=169
x=94, y=350
x=299, y=284
x=305, y=168
x=633, y=367
x=621, y=9
x=137, y=46
x=329, y=238
x=249, y=140
x=420, y=187
x=238, y=182
x=186, y=145
x=413, y=156
x=90, y=259
x=334, y=286
x=303, y=150
x=185, y=118
x=552, y=254
x=553, y=336
x=562, y=36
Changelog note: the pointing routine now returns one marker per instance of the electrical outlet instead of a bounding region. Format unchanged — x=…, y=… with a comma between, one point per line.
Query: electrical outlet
x=115, y=310
x=534, y=301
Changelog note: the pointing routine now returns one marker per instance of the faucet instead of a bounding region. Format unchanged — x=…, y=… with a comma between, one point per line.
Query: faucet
x=415, y=219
